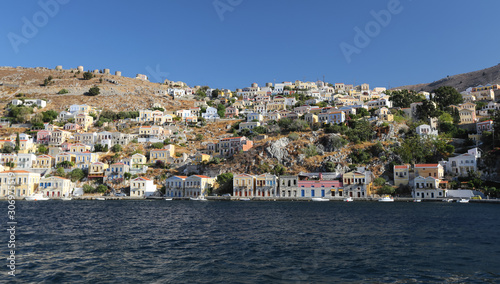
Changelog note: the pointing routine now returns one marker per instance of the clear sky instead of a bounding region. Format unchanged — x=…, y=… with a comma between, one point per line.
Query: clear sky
x=233, y=43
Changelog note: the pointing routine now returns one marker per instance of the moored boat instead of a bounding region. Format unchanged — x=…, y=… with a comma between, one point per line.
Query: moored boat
x=417, y=200
x=463, y=200
x=168, y=199
x=319, y=199
x=348, y=199
x=244, y=199
x=448, y=200
x=386, y=199
x=199, y=198
x=100, y=198
x=36, y=197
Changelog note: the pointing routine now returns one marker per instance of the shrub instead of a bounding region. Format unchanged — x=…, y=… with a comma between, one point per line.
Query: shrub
x=293, y=136
x=310, y=151
x=379, y=181
x=87, y=76
x=63, y=91
x=94, y=91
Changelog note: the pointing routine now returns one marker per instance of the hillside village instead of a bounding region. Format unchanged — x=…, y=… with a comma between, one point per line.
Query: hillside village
x=70, y=132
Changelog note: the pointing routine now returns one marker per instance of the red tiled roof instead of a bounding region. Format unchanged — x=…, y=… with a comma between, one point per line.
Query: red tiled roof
x=401, y=167
x=426, y=165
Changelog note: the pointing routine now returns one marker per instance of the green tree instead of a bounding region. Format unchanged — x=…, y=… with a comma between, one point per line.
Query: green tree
x=446, y=95
x=117, y=148
x=49, y=115
x=225, y=182
x=94, y=91
x=60, y=172
x=127, y=175
x=427, y=110
x=63, y=91
x=76, y=175
x=42, y=149
x=18, y=142
x=157, y=145
x=7, y=149
x=87, y=76
x=88, y=189
x=101, y=188
x=221, y=110
x=404, y=98
x=379, y=181
x=199, y=137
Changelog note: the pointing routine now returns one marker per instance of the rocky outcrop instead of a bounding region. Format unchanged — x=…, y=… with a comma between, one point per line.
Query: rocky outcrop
x=277, y=149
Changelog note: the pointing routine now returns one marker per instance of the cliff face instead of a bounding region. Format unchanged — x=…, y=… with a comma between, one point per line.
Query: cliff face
x=461, y=81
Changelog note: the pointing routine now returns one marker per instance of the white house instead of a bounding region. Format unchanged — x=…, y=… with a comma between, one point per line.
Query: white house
x=462, y=164
x=142, y=187
x=426, y=130
x=427, y=187
x=210, y=114
x=38, y=103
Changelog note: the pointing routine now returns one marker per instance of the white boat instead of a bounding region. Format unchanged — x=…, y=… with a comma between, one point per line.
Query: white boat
x=417, y=200
x=168, y=199
x=318, y=199
x=348, y=199
x=463, y=200
x=36, y=197
x=66, y=198
x=386, y=199
x=448, y=200
x=199, y=198
x=100, y=198
x=244, y=199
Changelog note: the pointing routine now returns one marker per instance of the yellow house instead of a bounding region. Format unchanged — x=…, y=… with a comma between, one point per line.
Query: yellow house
x=401, y=175
x=56, y=187
x=357, y=183
x=467, y=116
x=97, y=169
x=429, y=170
x=244, y=185
x=84, y=120
x=200, y=158
x=225, y=94
x=62, y=157
x=79, y=148
x=44, y=162
x=197, y=185
x=18, y=183
x=162, y=154
x=138, y=161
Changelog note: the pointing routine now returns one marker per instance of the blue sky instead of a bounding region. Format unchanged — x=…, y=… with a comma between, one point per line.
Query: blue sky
x=233, y=43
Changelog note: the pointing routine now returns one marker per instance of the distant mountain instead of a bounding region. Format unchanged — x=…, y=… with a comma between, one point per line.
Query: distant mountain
x=461, y=81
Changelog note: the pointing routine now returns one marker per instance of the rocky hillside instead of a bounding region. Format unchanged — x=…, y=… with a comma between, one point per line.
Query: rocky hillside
x=461, y=81
x=117, y=93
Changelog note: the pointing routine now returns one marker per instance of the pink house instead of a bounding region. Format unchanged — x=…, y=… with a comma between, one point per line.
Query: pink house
x=43, y=136
x=232, y=112
x=318, y=188
x=72, y=126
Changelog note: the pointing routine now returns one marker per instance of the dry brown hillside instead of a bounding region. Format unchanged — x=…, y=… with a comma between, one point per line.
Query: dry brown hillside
x=117, y=93
x=461, y=81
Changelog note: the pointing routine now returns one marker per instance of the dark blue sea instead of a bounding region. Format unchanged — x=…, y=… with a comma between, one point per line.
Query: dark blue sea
x=253, y=242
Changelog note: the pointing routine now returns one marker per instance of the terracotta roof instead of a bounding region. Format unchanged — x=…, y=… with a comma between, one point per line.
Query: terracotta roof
x=426, y=165
x=201, y=176
x=401, y=167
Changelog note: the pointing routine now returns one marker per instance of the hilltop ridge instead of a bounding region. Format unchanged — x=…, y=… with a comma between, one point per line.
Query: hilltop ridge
x=462, y=81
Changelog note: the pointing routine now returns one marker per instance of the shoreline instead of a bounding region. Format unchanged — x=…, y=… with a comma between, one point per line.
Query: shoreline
x=268, y=199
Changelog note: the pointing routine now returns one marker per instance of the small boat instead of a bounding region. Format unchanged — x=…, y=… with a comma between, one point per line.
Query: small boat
x=463, y=200
x=386, y=199
x=317, y=199
x=66, y=198
x=168, y=199
x=448, y=200
x=244, y=199
x=417, y=200
x=348, y=199
x=36, y=197
x=199, y=198
x=100, y=198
